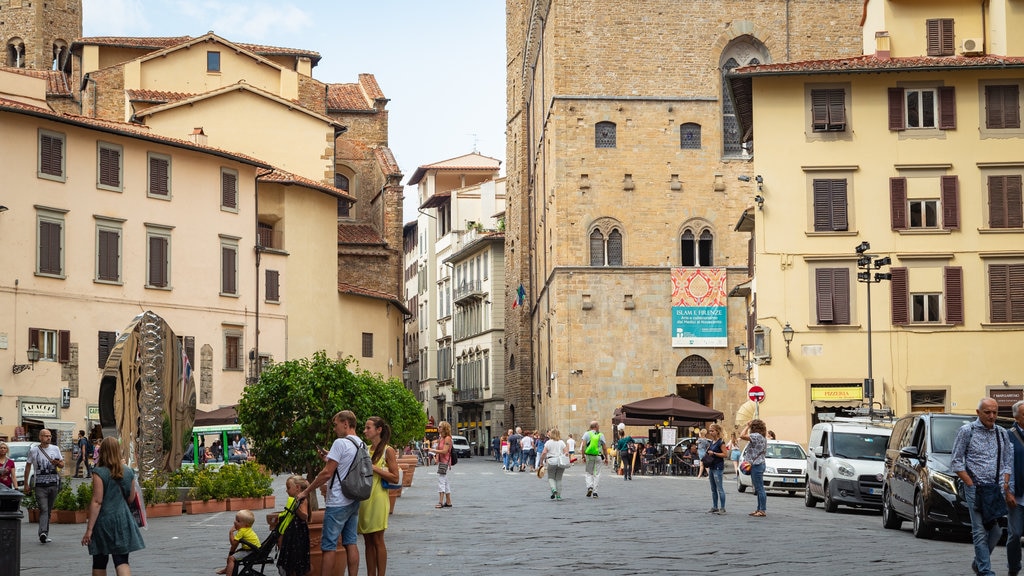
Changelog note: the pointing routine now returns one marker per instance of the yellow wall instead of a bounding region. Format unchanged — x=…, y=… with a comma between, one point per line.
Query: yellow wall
x=184, y=70
x=905, y=22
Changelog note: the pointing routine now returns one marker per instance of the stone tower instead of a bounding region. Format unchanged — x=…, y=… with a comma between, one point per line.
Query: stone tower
x=623, y=158
x=37, y=34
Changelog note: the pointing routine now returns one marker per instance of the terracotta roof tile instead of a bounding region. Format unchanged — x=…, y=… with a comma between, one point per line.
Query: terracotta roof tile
x=56, y=81
x=471, y=161
x=349, y=97
x=157, y=96
x=162, y=42
x=872, y=63
x=358, y=234
x=386, y=161
x=284, y=177
x=360, y=291
x=370, y=86
x=264, y=50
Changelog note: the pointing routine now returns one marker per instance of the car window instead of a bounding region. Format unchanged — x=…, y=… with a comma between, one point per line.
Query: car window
x=18, y=453
x=860, y=445
x=785, y=452
x=944, y=433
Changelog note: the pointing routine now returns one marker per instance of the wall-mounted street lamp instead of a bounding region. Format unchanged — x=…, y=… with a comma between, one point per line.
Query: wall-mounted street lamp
x=787, y=335
x=759, y=198
x=33, y=357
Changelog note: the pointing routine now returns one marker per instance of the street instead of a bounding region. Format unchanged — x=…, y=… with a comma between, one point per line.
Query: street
x=504, y=523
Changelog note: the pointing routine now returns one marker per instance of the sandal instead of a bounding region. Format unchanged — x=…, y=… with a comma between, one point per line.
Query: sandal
x=758, y=514
x=447, y=506
x=439, y=506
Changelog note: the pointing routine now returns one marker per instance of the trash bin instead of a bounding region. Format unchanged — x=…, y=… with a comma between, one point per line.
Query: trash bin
x=10, y=531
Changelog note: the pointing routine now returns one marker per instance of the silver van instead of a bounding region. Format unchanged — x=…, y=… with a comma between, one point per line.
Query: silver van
x=846, y=464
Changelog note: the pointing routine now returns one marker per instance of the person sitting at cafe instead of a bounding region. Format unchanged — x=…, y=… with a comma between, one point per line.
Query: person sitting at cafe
x=239, y=450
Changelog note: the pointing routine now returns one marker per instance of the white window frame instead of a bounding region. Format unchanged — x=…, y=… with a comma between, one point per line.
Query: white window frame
x=911, y=203
x=232, y=243
x=234, y=332
x=49, y=345
x=919, y=91
x=924, y=298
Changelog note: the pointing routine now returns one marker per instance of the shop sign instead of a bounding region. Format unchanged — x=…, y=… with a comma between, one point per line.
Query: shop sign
x=837, y=393
x=94, y=412
x=1006, y=397
x=38, y=409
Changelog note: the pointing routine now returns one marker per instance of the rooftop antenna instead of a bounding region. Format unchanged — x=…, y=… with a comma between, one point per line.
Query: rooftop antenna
x=476, y=143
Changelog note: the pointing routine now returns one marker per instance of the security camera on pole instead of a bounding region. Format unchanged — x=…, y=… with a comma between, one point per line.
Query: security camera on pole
x=868, y=262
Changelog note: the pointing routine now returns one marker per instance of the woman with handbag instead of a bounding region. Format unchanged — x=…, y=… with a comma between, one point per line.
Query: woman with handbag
x=112, y=530
x=556, y=457
x=755, y=432
x=444, y=462
x=714, y=462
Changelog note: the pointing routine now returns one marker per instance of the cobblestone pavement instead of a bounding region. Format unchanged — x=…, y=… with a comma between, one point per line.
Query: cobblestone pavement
x=504, y=523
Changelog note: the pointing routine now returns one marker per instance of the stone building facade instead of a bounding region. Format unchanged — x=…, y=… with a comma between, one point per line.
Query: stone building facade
x=38, y=35
x=623, y=161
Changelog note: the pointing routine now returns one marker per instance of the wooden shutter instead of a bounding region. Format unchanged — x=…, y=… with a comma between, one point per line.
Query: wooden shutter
x=947, y=108
x=228, y=272
x=841, y=300
x=229, y=189
x=1015, y=299
x=946, y=43
x=1014, y=207
x=273, y=288
x=51, y=154
x=105, y=342
x=1011, y=106
x=110, y=167
x=933, y=31
x=159, y=176
x=950, y=202
x=824, y=294
x=900, y=304
x=33, y=339
x=158, y=261
x=953, y=293
x=822, y=205
x=998, y=292
x=837, y=107
x=898, y=202
x=1000, y=106
x=897, y=120
x=107, y=258
x=997, y=201
x=63, y=346
x=49, y=247
x=819, y=109
x=840, y=216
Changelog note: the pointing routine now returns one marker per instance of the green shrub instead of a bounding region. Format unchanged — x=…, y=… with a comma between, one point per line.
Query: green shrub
x=203, y=486
x=84, y=495
x=66, y=498
x=29, y=502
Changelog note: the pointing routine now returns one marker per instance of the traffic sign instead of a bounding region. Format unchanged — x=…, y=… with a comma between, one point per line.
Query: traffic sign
x=756, y=393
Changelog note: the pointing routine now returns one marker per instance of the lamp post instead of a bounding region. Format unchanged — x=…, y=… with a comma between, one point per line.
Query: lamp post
x=787, y=335
x=866, y=263
x=33, y=356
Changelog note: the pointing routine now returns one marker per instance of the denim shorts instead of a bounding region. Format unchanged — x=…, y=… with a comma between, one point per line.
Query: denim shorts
x=339, y=521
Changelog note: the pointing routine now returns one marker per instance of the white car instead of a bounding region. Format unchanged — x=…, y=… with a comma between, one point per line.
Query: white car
x=785, y=468
x=19, y=453
x=461, y=447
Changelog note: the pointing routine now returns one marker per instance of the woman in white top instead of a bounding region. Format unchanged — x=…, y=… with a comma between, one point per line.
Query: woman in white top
x=556, y=457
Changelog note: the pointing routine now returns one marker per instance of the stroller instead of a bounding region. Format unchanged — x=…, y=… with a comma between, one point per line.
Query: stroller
x=260, y=557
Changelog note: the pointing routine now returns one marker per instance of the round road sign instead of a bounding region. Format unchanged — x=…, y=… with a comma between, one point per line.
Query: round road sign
x=756, y=393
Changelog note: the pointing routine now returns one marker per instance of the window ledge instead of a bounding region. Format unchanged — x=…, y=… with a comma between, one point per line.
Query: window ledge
x=164, y=288
x=922, y=326
x=49, y=275
x=271, y=301
x=834, y=327
x=1000, y=230
x=108, y=282
x=1003, y=325
x=814, y=234
x=229, y=295
x=268, y=250
x=923, y=231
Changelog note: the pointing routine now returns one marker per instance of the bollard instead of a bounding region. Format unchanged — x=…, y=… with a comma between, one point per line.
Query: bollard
x=10, y=531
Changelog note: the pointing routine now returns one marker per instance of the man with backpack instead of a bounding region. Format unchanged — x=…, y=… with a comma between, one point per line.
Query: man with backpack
x=84, y=454
x=593, y=450
x=626, y=448
x=341, y=513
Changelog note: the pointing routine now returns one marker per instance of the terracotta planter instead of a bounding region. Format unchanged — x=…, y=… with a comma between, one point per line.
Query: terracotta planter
x=316, y=525
x=70, y=516
x=393, y=496
x=245, y=503
x=200, y=507
x=270, y=501
x=407, y=473
x=33, y=515
x=163, y=510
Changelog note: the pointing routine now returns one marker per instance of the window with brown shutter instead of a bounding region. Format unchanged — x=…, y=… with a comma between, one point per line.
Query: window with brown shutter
x=232, y=350
x=900, y=290
x=273, y=288
x=832, y=295
x=229, y=269
x=1005, y=209
x=108, y=248
x=1006, y=292
x=63, y=346
x=367, y=345
x=158, y=261
x=1002, y=106
x=51, y=154
x=159, y=175
x=953, y=290
x=830, y=205
x=229, y=189
x=897, y=121
x=940, y=37
x=51, y=244
x=109, y=166
x=947, y=108
x=898, y=202
x=106, y=341
x=828, y=110
x=950, y=190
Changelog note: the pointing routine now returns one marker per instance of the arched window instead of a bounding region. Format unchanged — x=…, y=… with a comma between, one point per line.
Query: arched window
x=743, y=51
x=61, y=56
x=341, y=183
x=689, y=136
x=697, y=250
x=604, y=135
x=694, y=365
x=688, y=249
x=596, y=248
x=606, y=243
x=615, y=248
x=705, y=249
x=16, y=53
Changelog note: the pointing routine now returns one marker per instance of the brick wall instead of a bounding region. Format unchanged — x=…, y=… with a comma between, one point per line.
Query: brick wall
x=39, y=23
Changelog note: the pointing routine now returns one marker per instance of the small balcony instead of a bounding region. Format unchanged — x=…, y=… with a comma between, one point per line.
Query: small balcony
x=470, y=290
x=469, y=395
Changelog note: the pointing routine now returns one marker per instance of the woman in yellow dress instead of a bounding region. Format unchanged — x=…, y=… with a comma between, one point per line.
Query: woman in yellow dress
x=373, y=512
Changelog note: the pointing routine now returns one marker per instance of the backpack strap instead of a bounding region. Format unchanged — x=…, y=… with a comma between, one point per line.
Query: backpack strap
x=351, y=464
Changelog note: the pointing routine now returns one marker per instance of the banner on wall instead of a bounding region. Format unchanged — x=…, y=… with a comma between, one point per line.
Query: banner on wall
x=699, y=303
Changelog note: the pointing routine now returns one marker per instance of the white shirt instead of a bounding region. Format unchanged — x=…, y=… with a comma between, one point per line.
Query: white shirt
x=43, y=470
x=571, y=442
x=343, y=452
x=527, y=443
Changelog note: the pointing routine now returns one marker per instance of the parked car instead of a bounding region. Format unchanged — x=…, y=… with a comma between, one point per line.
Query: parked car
x=919, y=485
x=785, y=468
x=19, y=453
x=846, y=463
x=460, y=444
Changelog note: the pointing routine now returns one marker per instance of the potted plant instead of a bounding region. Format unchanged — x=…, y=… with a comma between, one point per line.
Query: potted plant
x=31, y=505
x=205, y=493
x=68, y=507
x=160, y=501
x=245, y=485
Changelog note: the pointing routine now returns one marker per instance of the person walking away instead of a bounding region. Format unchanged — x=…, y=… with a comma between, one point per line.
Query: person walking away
x=444, y=463
x=504, y=452
x=6, y=466
x=983, y=460
x=47, y=460
x=571, y=445
x=293, y=525
x=1015, y=522
x=84, y=455
x=538, y=447
x=528, y=454
x=716, y=469
x=373, y=513
x=240, y=535
x=626, y=448
x=555, y=456
x=754, y=433
x=341, y=513
x=594, y=456
x=111, y=530
x=515, y=447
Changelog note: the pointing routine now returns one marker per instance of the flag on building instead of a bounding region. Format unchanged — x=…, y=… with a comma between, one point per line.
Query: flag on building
x=520, y=297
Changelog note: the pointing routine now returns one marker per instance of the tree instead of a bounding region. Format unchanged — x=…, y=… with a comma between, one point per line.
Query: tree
x=287, y=413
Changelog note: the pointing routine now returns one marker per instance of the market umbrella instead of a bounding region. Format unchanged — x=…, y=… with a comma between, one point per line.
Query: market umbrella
x=673, y=408
x=746, y=413
x=225, y=415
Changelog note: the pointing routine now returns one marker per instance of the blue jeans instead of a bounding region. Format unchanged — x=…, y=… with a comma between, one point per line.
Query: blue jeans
x=1014, y=531
x=339, y=521
x=717, y=488
x=757, y=477
x=984, y=540
x=506, y=457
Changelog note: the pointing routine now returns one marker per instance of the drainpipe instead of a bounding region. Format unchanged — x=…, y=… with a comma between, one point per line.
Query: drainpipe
x=259, y=252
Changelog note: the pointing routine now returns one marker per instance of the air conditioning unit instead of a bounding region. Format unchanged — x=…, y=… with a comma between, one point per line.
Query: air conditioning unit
x=973, y=47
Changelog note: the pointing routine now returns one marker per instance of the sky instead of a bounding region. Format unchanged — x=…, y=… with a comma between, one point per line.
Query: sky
x=440, y=62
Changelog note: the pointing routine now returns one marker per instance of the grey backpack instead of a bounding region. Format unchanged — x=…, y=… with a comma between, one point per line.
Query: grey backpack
x=358, y=483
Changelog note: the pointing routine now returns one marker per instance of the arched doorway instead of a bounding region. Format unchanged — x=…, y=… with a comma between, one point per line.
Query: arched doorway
x=694, y=376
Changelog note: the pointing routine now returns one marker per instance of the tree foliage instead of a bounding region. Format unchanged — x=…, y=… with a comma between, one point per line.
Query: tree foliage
x=287, y=413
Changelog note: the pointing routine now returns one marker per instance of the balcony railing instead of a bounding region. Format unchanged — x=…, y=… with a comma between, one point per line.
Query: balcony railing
x=469, y=394
x=467, y=290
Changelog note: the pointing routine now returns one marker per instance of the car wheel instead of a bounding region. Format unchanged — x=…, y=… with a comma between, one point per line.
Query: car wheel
x=830, y=503
x=922, y=529
x=890, y=519
x=809, y=500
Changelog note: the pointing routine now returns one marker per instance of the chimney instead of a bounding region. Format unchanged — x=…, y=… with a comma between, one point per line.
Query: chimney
x=882, y=45
x=198, y=137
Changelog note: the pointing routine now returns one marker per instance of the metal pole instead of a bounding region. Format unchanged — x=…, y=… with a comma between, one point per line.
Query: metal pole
x=870, y=382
